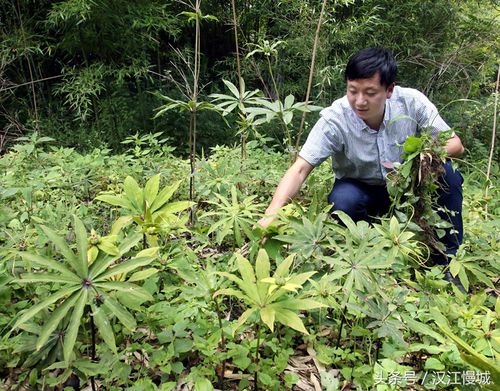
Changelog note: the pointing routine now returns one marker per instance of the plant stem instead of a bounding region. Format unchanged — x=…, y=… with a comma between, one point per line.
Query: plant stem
x=342, y=321
x=243, y=136
x=93, y=355
x=311, y=73
x=493, y=136
x=222, y=344
x=256, y=359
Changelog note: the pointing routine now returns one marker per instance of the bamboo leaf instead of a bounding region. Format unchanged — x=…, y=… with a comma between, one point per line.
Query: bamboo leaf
x=74, y=325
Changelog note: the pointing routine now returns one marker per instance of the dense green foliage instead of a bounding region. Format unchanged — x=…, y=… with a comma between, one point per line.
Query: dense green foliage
x=102, y=281
x=103, y=60
x=125, y=266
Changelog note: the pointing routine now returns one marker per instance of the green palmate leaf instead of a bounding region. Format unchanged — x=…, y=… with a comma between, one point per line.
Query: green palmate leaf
x=300, y=279
x=124, y=267
x=116, y=201
x=164, y=196
x=127, y=287
x=119, y=224
x=104, y=327
x=283, y=268
x=422, y=328
x=262, y=270
x=175, y=207
x=55, y=318
x=74, y=325
x=31, y=312
x=59, y=243
x=470, y=355
x=151, y=189
x=243, y=317
x=290, y=319
x=245, y=268
x=63, y=248
x=299, y=304
x=103, y=263
x=47, y=277
x=267, y=314
x=231, y=292
x=82, y=243
x=123, y=315
x=142, y=275
x=108, y=247
x=134, y=193
x=49, y=263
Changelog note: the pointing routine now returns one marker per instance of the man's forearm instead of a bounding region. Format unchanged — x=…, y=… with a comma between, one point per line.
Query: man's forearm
x=289, y=185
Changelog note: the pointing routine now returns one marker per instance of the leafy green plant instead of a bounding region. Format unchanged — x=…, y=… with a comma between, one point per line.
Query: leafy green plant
x=233, y=216
x=148, y=207
x=416, y=181
x=269, y=296
x=79, y=285
x=266, y=111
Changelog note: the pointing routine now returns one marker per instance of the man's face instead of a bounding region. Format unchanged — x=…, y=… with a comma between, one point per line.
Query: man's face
x=367, y=99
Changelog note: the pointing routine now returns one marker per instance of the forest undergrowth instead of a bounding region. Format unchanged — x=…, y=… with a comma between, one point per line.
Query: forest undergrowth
x=111, y=278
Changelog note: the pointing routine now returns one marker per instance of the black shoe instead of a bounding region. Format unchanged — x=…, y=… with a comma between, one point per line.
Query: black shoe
x=454, y=280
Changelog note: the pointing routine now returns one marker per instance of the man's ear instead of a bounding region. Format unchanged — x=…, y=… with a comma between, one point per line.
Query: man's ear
x=390, y=90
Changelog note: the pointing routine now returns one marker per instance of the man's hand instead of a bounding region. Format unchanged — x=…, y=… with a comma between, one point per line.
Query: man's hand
x=454, y=147
x=266, y=221
x=286, y=190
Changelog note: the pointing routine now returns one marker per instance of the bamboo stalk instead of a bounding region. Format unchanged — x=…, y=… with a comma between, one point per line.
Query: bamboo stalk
x=311, y=74
x=493, y=136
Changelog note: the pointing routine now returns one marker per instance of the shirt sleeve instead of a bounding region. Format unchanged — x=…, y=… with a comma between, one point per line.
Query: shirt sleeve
x=321, y=143
x=427, y=115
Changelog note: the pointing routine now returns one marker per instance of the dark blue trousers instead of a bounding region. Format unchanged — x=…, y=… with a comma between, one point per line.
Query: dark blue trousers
x=362, y=202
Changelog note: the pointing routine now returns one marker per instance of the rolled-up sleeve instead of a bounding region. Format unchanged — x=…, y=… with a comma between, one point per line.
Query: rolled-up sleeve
x=320, y=144
x=427, y=115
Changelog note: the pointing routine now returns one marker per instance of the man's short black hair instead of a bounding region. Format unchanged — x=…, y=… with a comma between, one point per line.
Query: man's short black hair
x=365, y=63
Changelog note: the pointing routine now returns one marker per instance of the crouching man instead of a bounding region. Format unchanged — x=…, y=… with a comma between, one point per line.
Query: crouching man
x=357, y=132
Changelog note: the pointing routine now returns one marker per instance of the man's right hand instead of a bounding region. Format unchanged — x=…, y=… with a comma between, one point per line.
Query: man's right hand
x=266, y=221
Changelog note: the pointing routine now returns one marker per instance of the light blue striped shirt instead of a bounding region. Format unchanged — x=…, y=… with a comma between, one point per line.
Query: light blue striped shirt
x=358, y=151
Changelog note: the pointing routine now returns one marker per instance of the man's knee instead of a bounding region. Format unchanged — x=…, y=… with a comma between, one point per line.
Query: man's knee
x=348, y=198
